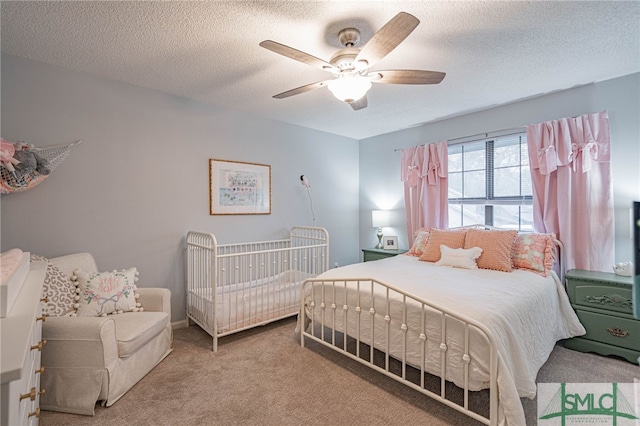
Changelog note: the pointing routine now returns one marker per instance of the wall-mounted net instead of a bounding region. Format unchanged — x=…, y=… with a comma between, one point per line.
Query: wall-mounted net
x=10, y=182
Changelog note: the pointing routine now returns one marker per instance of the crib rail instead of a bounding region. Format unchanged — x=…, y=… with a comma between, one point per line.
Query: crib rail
x=391, y=331
x=233, y=287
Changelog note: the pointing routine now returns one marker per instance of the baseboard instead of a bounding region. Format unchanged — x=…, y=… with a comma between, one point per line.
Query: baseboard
x=179, y=324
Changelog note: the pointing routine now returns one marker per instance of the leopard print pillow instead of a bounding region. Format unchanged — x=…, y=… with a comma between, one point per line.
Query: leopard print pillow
x=58, y=289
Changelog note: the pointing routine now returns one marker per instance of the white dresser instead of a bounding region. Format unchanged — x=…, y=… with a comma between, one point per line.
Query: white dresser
x=20, y=347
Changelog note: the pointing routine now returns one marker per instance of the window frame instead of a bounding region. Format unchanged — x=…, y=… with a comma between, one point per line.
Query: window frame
x=490, y=200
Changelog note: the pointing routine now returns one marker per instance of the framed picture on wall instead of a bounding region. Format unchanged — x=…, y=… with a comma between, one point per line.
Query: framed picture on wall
x=390, y=243
x=239, y=188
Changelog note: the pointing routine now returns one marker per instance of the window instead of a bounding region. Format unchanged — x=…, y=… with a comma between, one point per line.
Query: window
x=490, y=183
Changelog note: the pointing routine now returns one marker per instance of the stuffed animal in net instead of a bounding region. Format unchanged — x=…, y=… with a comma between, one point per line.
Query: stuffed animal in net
x=29, y=161
x=7, y=150
x=23, y=166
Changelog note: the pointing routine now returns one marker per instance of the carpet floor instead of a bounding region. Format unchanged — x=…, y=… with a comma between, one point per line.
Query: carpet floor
x=263, y=377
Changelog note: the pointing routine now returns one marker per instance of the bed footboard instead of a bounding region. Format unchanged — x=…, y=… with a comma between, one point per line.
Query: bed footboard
x=403, y=337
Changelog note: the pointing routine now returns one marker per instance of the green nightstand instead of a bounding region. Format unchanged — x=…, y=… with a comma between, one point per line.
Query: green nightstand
x=605, y=308
x=370, y=254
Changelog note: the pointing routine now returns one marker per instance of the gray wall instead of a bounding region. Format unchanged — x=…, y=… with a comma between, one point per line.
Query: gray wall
x=380, y=185
x=139, y=181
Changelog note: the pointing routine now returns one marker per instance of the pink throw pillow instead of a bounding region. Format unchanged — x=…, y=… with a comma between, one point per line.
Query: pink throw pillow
x=437, y=237
x=534, y=252
x=496, y=246
x=419, y=243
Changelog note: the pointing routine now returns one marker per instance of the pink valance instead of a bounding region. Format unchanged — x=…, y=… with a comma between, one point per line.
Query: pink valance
x=435, y=163
x=411, y=165
x=577, y=141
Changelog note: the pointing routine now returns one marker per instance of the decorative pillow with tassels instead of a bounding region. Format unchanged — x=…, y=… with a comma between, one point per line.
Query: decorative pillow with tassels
x=419, y=243
x=103, y=293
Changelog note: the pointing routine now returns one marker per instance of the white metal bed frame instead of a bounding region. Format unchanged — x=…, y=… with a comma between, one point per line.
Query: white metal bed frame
x=318, y=333
x=236, y=276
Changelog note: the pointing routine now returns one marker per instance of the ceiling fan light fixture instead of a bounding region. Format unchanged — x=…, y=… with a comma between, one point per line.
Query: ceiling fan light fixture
x=350, y=65
x=349, y=88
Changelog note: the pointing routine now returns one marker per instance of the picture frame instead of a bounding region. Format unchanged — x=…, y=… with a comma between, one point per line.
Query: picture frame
x=237, y=187
x=390, y=243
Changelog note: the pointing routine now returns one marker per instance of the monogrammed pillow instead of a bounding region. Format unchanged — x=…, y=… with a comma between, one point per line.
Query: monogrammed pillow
x=103, y=293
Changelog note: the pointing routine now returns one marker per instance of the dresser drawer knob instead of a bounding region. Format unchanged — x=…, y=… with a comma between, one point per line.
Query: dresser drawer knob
x=617, y=331
x=45, y=299
x=31, y=395
x=35, y=413
x=39, y=345
x=42, y=318
x=40, y=370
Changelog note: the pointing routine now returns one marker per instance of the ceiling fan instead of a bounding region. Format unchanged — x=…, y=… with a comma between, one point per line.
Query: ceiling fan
x=350, y=65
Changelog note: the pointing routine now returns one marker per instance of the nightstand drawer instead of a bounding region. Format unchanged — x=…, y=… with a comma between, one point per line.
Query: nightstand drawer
x=377, y=254
x=622, y=332
x=368, y=257
x=611, y=298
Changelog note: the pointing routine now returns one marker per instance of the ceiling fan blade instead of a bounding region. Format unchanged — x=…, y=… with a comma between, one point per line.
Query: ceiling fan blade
x=407, y=77
x=297, y=55
x=388, y=38
x=359, y=104
x=301, y=89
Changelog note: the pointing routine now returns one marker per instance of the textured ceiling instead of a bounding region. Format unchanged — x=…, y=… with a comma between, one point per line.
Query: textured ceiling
x=493, y=52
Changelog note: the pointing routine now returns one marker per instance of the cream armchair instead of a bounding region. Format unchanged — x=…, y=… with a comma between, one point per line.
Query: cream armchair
x=90, y=359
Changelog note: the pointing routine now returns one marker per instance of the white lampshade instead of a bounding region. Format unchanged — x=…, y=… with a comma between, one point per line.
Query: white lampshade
x=380, y=218
x=349, y=88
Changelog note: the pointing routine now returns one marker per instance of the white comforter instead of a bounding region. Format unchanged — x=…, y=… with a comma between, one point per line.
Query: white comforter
x=526, y=313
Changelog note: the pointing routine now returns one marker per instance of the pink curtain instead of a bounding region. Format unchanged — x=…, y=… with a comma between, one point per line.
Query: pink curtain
x=424, y=171
x=572, y=187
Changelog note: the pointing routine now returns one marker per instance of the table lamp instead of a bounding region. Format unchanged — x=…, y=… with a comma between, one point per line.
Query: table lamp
x=379, y=219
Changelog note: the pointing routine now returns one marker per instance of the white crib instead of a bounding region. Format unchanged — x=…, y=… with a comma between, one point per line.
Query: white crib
x=233, y=287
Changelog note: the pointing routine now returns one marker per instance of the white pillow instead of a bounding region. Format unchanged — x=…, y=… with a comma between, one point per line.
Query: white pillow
x=459, y=258
x=102, y=293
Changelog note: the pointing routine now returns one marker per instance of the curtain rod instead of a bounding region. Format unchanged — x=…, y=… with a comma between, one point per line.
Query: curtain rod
x=495, y=133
